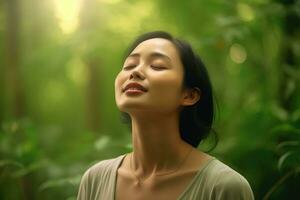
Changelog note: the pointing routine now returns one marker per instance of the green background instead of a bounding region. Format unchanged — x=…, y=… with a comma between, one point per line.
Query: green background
x=59, y=59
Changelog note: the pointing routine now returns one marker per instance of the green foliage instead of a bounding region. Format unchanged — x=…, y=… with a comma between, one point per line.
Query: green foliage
x=288, y=149
x=20, y=154
x=63, y=82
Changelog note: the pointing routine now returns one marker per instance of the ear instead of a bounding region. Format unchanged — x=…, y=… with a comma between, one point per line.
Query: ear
x=191, y=96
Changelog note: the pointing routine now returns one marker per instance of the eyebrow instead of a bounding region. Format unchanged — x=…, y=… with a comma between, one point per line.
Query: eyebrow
x=154, y=54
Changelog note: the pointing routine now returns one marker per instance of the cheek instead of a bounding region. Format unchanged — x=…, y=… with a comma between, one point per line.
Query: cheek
x=118, y=86
x=116, y=82
x=167, y=86
x=120, y=79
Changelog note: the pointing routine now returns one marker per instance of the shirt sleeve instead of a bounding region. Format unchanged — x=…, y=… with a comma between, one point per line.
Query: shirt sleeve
x=83, y=193
x=232, y=186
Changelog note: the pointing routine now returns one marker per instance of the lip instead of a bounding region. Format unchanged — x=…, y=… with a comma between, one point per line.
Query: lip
x=134, y=92
x=134, y=85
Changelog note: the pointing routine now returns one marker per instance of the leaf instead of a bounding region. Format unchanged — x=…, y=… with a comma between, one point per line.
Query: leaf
x=60, y=182
x=279, y=112
x=283, y=158
x=102, y=143
x=296, y=115
x=290, y=160
x=291, y=85
x=291, y=143
x=285, y=128
x=4, y=163
x=28, y=169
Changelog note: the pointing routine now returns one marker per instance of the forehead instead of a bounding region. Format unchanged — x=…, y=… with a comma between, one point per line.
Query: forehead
x=157, y=45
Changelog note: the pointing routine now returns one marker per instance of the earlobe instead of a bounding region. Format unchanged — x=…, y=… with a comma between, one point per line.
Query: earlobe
x=192, y=96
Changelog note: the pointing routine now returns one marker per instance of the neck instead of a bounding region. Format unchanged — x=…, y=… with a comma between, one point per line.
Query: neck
x=157, y=145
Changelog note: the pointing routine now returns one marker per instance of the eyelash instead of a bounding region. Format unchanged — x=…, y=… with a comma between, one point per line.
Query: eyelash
x=158, y=67
x=155, y=67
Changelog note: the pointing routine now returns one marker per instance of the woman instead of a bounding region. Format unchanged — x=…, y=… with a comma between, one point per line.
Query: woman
x=165, y=91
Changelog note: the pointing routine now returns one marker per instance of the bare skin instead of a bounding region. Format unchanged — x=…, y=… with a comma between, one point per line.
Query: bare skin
x=168, y=187
x=157, y=146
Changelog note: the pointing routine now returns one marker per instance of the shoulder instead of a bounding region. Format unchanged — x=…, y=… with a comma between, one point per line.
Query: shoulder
x=99, y=173
x=226, y=183
x=97, y=181
x=101, y=169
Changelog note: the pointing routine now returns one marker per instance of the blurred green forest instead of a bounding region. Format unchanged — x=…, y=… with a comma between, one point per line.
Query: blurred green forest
x=59, y=59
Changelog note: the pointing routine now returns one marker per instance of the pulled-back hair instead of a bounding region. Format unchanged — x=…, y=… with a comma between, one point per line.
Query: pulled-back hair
x=195, y=121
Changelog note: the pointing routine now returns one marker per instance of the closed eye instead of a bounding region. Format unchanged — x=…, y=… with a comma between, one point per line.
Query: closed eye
x=128, y=67
x=157, y=67
x=153, y=66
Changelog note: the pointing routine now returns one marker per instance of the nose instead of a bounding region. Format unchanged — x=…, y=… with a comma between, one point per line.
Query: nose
x=136, y=74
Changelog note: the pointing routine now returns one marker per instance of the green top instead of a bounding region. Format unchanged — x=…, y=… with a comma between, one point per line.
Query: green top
x=215, y=180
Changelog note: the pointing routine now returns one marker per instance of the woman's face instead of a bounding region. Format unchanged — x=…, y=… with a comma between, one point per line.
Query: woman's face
x=155, y=64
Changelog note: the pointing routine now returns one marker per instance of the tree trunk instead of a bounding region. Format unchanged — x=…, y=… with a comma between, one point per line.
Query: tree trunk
x=92, y=64
x=92, y=96
x=14, y=87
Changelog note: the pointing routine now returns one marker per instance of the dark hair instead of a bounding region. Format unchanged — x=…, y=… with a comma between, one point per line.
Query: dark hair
x=195, y=121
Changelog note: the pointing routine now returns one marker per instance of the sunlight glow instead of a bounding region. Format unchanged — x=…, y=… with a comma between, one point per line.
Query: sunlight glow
x=54, y=92
x=110, y=1
x=77, y=72
x=245, y=12
x=67, y=12
x=130, y=21
x=238, y=53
